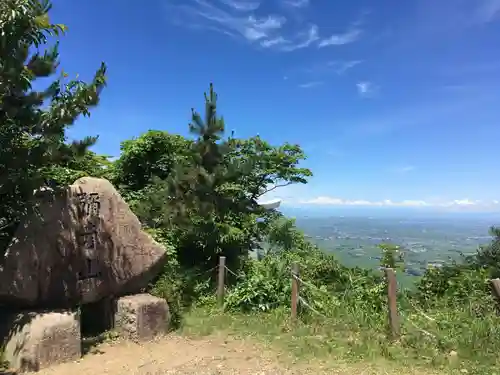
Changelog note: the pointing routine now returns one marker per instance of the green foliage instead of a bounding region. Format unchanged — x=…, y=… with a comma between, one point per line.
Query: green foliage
x=267, y=283
x=199, y=197
x=456, y=282
x=282, y=234
x=268, y=167
x=153, y=155
x=87, y=165
x=488, y=256
x=178, y=285
x=451, y=309
x=392, y=256
x=211, y=209
x=33, y=146
x=204, y=192
x=464, y=282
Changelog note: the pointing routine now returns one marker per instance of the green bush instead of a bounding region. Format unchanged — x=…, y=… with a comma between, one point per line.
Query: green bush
x=267, y=283
x=458, y=283
x=180, y=287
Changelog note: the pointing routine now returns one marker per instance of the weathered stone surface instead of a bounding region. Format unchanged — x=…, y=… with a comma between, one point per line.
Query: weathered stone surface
x=141, y=317
x=86, y=244
x=40, y=340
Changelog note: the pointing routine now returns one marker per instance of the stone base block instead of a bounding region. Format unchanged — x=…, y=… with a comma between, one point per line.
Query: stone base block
x=39, y=340
x=141, y=317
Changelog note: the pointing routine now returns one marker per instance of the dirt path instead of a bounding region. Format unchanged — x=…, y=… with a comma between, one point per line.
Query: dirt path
x=182, y=356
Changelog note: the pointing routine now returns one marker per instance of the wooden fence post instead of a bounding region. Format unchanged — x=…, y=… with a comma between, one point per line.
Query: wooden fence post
x=295, y=290
x=220, y=284
x=392, y=289
x=495, y=285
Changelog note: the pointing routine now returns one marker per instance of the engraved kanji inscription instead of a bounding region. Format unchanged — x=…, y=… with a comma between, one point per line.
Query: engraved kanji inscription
x=89, y=207
x=90, y=269
x=88, y=237
x=89, y=204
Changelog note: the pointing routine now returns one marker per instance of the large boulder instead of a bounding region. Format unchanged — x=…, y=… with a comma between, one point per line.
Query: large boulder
x=83, y=245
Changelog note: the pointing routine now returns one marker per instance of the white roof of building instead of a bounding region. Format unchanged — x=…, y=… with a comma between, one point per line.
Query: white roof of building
x=270, y=204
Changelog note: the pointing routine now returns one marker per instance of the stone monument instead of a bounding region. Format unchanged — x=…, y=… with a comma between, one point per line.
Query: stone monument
x=84, y=245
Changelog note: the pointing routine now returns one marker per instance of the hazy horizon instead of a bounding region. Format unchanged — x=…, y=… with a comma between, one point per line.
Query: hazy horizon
x=390, y=212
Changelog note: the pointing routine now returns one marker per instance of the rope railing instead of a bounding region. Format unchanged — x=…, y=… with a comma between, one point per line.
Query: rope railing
x=232, y=272
x=421, y=330
x=299, y=299
x=304, y=303
x=310, y=285
x=205, y=272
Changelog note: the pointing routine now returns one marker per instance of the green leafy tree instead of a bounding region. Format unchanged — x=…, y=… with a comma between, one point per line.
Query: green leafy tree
x=268, y=167
x=34, y=123
x=201, y=196
x=154, y=154
x=218, y=193
x=488, y=256
x=211, y=210
x=87, y=165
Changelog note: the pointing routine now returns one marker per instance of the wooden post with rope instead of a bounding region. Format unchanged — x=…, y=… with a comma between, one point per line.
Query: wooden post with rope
x=495, y=286
x=295, y=290
x=392, y=290
x=220, y=281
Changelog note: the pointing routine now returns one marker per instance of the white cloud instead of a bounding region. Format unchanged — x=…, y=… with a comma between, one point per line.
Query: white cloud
x=341, y=39
x=255, y=29
x=311, y=84
x=273, y=42
x=365, y=89
x=301, y=40
x=297, y=3
x=338, y=67
x=341, y=67
x=305, y=39
x=236, y=18
x=331, y=201
x=242, y=5
x=243, y=23
x=461, y=202
x=458, y=203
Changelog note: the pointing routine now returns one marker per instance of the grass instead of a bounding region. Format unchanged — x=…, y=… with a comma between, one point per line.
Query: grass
x=451, y=344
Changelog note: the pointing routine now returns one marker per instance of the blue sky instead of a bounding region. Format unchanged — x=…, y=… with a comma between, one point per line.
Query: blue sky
x=396, y=103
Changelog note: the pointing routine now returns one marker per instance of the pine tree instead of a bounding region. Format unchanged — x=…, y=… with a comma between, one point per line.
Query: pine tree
x=207, y=201
x=33, y=123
